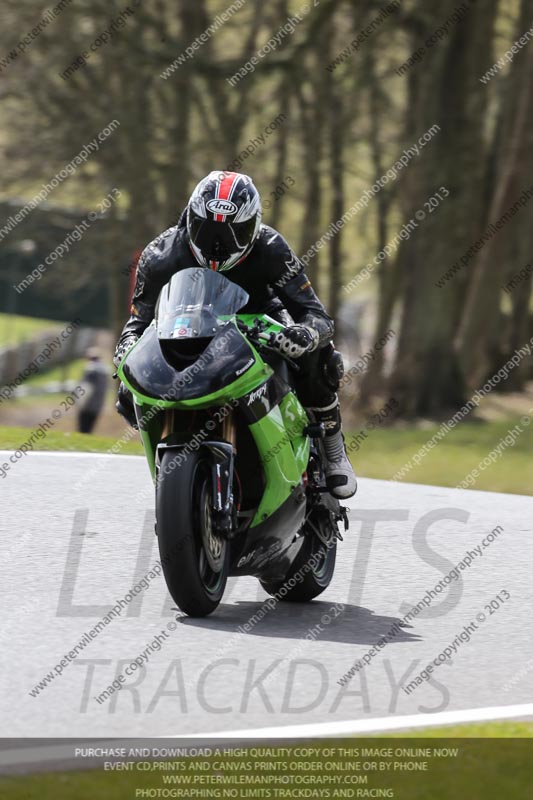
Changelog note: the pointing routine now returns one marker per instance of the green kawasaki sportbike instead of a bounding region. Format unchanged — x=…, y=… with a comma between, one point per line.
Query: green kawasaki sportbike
x=236, y=460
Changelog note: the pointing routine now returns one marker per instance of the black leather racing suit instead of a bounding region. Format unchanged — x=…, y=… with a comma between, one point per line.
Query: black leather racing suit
x=275, y=280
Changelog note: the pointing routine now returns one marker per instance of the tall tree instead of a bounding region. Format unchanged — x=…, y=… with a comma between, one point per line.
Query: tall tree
x=444, y=91
x=478, y=336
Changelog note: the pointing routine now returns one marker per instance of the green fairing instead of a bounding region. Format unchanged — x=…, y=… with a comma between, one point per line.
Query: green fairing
x=296, y=419
x=281, y=444
x=284, y=453
x=250, y=319
x=254, y=377
x=151, y=437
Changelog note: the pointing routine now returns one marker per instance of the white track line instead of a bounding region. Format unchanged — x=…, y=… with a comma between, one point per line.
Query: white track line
x=378, y=724
x=70, y=454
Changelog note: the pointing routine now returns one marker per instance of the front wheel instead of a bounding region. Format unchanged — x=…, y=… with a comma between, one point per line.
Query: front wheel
x=310, y=573
x=195, y=559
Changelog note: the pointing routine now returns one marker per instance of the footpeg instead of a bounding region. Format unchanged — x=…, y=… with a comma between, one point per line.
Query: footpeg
x=344, y=517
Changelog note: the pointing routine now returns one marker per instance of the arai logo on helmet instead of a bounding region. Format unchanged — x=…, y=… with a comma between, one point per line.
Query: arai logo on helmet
x=221, y=207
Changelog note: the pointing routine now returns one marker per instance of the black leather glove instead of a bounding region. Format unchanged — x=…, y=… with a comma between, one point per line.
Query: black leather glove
x=122, y=348
x=125, y=407
x=297, y=340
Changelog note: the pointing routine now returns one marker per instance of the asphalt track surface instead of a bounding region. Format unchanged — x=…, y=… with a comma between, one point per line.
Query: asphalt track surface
x=77, y=535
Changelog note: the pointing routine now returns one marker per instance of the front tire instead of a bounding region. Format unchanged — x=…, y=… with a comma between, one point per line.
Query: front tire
x=194, y=558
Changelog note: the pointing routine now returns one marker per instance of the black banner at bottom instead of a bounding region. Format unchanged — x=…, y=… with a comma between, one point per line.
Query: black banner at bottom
x=400, y=767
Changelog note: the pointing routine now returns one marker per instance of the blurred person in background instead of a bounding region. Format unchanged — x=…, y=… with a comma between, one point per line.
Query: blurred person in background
x=95, y=380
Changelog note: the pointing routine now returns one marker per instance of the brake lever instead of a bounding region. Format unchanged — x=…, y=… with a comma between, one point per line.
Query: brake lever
x=254, y=335
x=278, y=352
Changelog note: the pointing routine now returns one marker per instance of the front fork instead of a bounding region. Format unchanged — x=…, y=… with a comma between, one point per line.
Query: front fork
x=222, y=460
x=221, y=456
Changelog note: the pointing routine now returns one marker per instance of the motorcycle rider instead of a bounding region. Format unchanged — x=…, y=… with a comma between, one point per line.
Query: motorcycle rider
x=221, y=229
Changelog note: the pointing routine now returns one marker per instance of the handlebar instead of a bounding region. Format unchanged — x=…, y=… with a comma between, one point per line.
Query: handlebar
x=265, y=341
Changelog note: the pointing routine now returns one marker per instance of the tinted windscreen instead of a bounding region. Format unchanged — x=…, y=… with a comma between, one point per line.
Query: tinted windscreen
x=197, y=302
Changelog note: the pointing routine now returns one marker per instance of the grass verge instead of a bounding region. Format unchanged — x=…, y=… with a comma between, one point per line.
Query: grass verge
x=15, y=328
x=11, y=438
x=385, y=451
x=72, y=371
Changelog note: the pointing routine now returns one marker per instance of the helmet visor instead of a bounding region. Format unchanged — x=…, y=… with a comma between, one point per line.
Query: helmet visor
x=219, y=241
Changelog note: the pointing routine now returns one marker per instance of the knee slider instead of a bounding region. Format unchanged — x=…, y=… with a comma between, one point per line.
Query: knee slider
x=333, y=368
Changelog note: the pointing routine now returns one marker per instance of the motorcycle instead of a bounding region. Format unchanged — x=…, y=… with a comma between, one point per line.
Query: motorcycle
x=235, y=458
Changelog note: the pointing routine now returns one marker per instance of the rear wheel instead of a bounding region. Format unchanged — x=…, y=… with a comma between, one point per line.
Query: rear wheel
x=195, y=559
x=311, y=572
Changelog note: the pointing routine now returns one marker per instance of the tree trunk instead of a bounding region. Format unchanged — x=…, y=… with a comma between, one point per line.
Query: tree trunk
x=478, y=334
x=444, y=90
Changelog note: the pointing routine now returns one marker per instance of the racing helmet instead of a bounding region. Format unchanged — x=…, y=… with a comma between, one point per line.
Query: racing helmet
x=223, y=219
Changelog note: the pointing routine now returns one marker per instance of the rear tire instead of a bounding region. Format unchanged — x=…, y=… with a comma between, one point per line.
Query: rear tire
x=195, y=560
x=309, y=584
